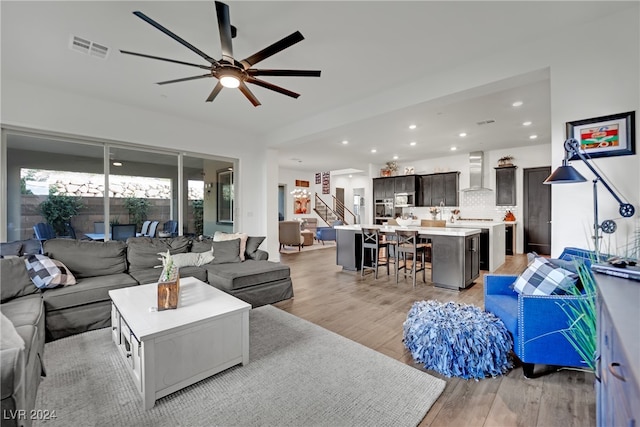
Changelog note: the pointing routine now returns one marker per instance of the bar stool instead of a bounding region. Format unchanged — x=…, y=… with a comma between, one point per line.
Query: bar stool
x=407, y=245
x=372, y=243
x=430, y=223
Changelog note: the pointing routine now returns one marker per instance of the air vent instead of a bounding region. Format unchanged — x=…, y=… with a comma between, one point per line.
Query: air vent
x=485, y=122
x=88, y=47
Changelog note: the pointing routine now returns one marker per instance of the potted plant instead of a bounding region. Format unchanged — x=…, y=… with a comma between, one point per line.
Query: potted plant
x=58, y=210
x=505, y=161
x=138, y=208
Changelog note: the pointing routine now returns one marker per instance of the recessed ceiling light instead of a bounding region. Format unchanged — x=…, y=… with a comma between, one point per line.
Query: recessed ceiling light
x=373, y=150
x=533, y=136
x=412, y=127
x=412, y=143
x=527, y=123
x=454, y=148
x=345, y=142
x=116, y=164
x=350, y=176
x=395, y=157
x=517, y=103
x=463, y=134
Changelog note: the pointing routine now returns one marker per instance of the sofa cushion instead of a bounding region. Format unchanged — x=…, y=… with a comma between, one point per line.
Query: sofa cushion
x=88, y=258
x=219, y=236
x=151, y=275
x=9, y=338
x=142, y=252
x=253, y=243
x=544, y=278
x=249, y=273
x=48, y=273
x=226, y=252
x=10, y=249
x=15, y=280
x=88, y=290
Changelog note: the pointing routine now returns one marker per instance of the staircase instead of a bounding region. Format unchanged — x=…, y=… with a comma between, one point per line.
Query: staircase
x=330, y=214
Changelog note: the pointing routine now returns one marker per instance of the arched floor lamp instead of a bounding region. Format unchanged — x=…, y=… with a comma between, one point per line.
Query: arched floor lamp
x=566, y=174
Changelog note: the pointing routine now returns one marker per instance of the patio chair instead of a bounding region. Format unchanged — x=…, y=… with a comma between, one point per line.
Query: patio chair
x=123, y=231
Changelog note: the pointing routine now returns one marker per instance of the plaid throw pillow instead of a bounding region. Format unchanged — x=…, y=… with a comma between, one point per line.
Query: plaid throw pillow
x=544, y=278
x=48, y=273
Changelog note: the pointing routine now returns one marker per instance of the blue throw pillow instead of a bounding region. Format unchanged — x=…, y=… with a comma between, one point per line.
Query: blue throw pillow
x=544, y=278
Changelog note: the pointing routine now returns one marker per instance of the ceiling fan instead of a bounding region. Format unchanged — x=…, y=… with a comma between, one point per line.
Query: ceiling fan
x=230, y=72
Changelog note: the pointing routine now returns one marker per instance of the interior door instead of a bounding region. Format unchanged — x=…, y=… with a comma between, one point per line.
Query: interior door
x=537, y=211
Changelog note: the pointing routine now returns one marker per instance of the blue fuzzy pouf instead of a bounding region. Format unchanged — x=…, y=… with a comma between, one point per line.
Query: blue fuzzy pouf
x=457, y=340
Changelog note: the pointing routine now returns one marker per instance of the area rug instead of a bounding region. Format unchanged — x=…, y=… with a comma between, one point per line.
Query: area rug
x=299, y=374
x=316, y=246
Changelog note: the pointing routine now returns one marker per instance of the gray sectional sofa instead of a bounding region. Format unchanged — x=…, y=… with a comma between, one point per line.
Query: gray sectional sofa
x=98, y=267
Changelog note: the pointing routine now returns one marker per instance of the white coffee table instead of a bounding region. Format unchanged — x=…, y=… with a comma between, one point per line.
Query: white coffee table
x=172, y=349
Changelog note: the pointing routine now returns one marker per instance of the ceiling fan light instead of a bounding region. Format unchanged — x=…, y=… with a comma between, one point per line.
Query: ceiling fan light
x=229, y=81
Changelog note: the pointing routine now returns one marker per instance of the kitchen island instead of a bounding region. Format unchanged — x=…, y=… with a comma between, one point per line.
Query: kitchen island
x=492, y=241
x=454, y=252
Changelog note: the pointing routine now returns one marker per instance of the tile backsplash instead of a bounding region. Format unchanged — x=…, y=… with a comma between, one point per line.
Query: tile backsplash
x=473, y=204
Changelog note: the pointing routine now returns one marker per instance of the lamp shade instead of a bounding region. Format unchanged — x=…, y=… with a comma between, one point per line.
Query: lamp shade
x=565, y=174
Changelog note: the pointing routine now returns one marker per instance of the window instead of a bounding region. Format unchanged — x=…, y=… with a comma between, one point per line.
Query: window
x=225, y=196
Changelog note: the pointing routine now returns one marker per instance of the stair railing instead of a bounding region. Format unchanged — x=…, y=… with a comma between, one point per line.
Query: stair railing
x=324, y=211
x=342, y=211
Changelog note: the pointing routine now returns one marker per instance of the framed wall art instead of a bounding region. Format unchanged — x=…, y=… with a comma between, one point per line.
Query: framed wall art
x=604, y=136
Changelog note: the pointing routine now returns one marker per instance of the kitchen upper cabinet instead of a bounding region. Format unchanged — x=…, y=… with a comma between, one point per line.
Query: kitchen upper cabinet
x=406, y=184
x=383, y=188
x=440, y=188
x=506, y=186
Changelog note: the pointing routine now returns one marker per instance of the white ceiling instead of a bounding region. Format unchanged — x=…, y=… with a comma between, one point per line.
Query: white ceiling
x=363, y=48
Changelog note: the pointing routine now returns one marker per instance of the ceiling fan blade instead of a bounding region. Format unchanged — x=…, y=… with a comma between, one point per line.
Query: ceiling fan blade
x=216, y=90
x=273, y=87
x=175, y=37
x=224, y=26
x=184, y=79
x=204, y=67
x=286, y=42
x=250, y=96
x=292, y=73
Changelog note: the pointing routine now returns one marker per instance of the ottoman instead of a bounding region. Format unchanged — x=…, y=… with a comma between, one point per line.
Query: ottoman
x=458, y=340
x=307, y=236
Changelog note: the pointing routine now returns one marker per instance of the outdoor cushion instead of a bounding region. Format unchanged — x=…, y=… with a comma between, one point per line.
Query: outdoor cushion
x=544, y=278
x=143, y=252
x=87, y=291
x=249, y=273
x=151, y=275
x=88, y=258
x=15, y=280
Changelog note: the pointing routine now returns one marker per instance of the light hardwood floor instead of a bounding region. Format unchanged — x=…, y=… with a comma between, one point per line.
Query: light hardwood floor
x=372, y=312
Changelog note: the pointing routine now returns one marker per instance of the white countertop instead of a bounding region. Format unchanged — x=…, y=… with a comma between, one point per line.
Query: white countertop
x=475, y=224
x=432, y=231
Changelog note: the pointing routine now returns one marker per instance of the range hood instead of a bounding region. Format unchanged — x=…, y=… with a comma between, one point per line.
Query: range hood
x=476, y=172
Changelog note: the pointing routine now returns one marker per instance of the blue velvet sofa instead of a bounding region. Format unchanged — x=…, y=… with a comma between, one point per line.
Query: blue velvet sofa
x=535, y=321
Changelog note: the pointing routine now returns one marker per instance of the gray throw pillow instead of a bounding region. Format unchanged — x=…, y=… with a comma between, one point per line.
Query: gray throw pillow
x=253, y=242
x=226, y=251
x=10, y=249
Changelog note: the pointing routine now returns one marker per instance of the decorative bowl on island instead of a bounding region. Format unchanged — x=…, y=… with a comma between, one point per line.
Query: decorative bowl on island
x=404, y=222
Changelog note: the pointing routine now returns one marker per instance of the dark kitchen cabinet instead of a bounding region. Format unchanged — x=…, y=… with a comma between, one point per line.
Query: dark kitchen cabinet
x=383, y=188
x=440, y=189
x=506, y=186
x=406, y=184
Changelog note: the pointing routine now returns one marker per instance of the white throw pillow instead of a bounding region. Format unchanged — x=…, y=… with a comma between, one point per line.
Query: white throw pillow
x=192, y=259
x=220, y=236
